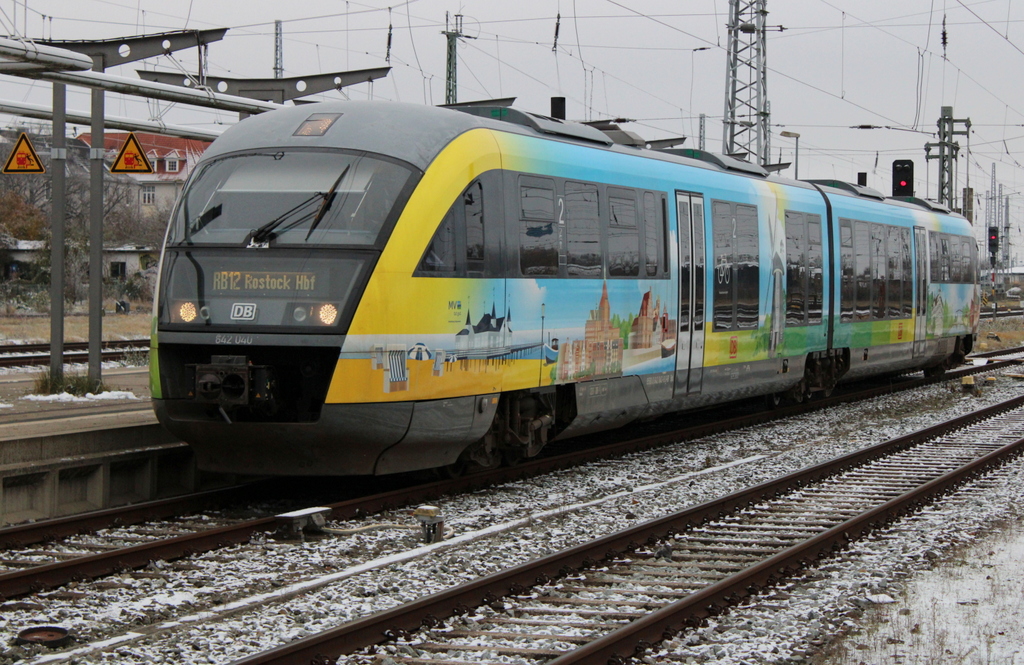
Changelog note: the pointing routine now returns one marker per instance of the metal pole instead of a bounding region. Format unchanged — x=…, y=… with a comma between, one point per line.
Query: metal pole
x=96, y=234
x=58, y=157
x=278, y=50
x=42, y=112
x=796, y=159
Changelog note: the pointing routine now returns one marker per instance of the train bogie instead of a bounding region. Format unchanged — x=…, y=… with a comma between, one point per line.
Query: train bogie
x=413, y=288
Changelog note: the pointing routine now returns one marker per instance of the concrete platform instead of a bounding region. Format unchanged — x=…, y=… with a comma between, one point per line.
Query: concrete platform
x=61, y=458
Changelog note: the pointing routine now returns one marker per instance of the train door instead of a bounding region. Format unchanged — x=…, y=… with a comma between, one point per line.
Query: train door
x=921, y=301
x=690, y=335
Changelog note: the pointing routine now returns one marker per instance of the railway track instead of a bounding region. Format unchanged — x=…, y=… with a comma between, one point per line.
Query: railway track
x=36, y=561
x=31, y=355
x=610, y=600
x=246, y=613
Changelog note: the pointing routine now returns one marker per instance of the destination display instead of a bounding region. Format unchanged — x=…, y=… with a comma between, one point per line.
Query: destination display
x=259, y=290
x=239, y=281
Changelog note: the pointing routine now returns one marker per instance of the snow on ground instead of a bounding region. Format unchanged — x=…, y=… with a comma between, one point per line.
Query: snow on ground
x=220, y=617
x=89, y=397
x=794, y=622
x=69, y=368
x=969, y=609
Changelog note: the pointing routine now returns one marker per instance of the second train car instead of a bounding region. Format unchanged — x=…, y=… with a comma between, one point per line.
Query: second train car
x=373, y=287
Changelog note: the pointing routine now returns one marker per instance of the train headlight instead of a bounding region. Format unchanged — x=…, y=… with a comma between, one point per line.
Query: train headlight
x=187, y=312
x=299, y=314
x=327, y=314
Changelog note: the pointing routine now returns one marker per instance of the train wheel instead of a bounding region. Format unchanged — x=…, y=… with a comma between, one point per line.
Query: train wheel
x=512, y=456
x=773, y=400
x=797, y=394
x=454, y=470
x=481, y=456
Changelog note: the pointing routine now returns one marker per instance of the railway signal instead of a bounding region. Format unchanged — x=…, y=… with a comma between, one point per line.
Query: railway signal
x=903, y=177
x=993, y=242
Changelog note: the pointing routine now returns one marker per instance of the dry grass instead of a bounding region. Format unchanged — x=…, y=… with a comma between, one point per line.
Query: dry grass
x=36, y=329
x=1008, y=331
x=73, y=383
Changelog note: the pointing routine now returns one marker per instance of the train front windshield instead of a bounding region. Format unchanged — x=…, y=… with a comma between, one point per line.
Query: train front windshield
x=278, y=240
x=289, y=197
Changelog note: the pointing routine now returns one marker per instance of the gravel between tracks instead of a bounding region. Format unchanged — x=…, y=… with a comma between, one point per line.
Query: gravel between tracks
x=240, y=600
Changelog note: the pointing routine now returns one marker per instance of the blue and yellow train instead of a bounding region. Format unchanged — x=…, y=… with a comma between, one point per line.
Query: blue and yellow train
x=372, y=288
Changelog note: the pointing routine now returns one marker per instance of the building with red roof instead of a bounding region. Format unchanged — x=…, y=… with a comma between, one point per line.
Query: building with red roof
x=172, y=158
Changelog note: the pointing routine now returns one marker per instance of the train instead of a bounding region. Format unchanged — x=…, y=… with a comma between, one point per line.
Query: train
x=369, y=288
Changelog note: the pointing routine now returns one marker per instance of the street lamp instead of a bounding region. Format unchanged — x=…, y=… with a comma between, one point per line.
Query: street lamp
x=796, y=159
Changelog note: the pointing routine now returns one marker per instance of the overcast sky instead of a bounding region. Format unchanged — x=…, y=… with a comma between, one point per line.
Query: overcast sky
x=835, y=64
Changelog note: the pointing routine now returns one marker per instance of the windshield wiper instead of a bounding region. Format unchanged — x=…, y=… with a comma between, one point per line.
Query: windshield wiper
x=326, y=205
x=265, y=232
x=207, y=217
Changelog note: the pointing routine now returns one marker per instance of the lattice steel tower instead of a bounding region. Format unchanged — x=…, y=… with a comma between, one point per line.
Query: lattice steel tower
x=278, y=50
x=745, y=122
x=949, y=151
x=453, y=32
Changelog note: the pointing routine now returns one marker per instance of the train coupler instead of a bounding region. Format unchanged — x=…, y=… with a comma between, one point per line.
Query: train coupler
x=232, y=381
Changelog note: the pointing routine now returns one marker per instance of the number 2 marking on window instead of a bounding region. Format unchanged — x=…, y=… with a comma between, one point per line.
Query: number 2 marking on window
x=561, y=210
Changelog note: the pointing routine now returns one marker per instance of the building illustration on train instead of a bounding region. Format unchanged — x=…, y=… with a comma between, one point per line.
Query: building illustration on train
x=490, y=337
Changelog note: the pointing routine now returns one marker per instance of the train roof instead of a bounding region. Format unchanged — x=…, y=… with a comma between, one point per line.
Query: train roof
x=409, y=132
x=417, y=133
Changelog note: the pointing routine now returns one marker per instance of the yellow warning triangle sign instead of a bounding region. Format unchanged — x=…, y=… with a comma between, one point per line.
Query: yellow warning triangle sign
x=131, y=158
x=23, y=158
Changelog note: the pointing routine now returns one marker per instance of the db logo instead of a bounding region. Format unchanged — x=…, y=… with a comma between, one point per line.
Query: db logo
x=243, y=311
x=734, y=347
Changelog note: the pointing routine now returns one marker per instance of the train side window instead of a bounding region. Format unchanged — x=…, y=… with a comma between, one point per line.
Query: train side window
x=796, y=269
x=908, y=281
x=536, y=198
x=748, y=271
x=458, y=246
x=473, y=206
x=956, y=271
x=538, y=237
x=623, y=234
x=895, y=260
x=654, y=235
x=848, y=293
x=583, y=230
x=815, y=270
x=968, y=271
x=685, y=258
x=878, y=270
x=697, y=263
x=862, y=245
x=724, y=232
x=439, y=259
x=724, y=229
x=975, y=267
x=944, y=258
x=934, y=251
